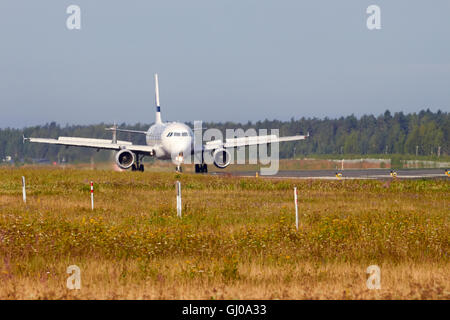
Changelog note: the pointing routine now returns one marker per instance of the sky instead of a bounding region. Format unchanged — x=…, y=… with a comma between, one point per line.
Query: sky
x=220, y=60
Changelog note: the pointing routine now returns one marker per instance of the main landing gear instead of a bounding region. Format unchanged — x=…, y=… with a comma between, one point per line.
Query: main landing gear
x=138, y=166
x=201, y=168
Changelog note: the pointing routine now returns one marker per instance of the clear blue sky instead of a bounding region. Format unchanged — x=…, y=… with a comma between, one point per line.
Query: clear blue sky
x=220, y=60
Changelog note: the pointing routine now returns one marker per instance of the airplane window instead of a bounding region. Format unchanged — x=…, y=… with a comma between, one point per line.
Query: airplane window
x=176, y=134
x=185, y=134
x=169, y=134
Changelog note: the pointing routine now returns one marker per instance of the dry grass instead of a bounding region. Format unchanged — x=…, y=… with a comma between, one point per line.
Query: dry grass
x=236, y=239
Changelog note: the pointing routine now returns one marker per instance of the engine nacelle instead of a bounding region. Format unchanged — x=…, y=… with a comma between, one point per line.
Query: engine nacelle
x=222, y=158
x=125, y=159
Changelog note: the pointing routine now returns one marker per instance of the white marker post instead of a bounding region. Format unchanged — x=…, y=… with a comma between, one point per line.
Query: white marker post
x=92, y=195
x=178, y=187
x=24, y=191
x=296, y=207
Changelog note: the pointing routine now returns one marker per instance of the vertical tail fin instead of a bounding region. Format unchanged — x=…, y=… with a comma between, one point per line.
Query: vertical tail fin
x=158, y=107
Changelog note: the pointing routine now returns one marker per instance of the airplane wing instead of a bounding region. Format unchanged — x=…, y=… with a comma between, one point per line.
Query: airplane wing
x=249, y=141
x=94, y=143
x=126, y=130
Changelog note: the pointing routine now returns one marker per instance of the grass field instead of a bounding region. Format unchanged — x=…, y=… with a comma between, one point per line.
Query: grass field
x=236, y=239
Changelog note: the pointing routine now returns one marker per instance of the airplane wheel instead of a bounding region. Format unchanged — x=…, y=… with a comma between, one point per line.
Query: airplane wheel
x=141, y=168
x=133, y=167
x=198, y=168
x=205, y=168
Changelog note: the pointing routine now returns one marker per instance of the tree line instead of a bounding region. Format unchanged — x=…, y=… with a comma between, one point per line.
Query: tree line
x=422, y=133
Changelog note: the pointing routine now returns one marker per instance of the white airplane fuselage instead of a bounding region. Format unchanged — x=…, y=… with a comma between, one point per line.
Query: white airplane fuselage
x=170, y=139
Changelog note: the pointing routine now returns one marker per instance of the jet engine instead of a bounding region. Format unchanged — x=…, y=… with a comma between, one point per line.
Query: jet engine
x=125, y=158
x=222, y=158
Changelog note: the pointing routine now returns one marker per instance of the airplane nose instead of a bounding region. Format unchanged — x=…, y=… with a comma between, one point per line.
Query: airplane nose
x=181, y=146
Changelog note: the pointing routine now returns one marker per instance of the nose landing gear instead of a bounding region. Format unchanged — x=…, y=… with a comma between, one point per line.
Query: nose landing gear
x=179, y=160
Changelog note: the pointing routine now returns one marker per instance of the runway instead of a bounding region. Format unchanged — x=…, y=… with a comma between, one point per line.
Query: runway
x=347, y=174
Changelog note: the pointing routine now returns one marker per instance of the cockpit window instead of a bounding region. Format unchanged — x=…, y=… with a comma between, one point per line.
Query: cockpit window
x=178, y=134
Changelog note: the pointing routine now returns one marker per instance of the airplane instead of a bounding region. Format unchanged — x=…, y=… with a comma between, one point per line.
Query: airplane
x=166, y=140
